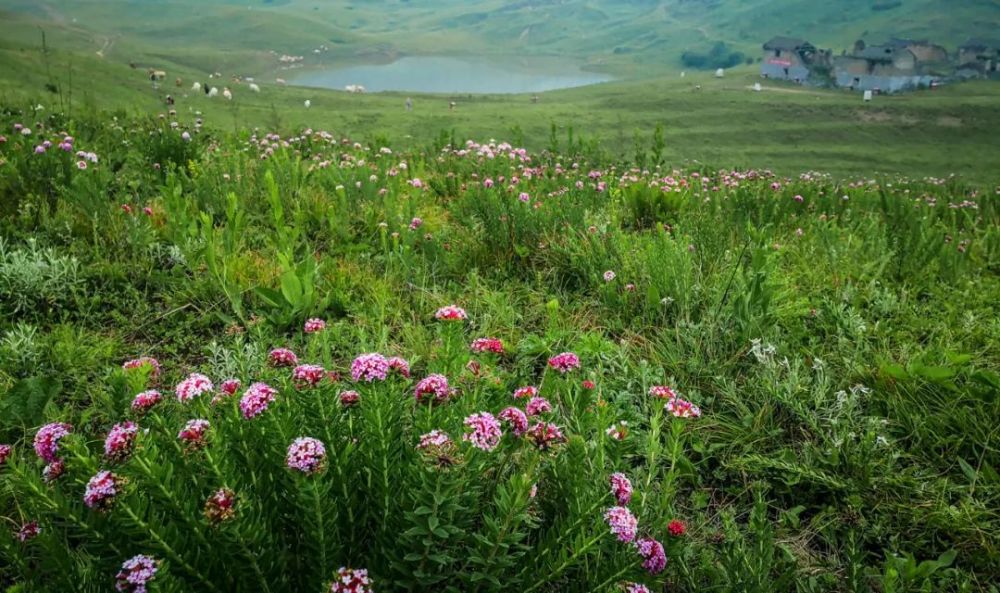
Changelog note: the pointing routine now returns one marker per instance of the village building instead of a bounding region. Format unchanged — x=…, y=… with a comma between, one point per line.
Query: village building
x=978, y=58
x=787, y=58
x=887, y=68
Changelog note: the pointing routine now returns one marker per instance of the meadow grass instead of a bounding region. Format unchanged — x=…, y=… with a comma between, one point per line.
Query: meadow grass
x=838, y=339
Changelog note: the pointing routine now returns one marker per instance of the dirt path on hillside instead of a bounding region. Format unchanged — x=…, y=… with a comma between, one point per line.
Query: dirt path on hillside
x=107, y=42
x=772, y=89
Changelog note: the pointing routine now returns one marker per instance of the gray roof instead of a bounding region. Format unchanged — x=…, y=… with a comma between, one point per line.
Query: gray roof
x=788, y=43
x=878, y=53
x=980, y=44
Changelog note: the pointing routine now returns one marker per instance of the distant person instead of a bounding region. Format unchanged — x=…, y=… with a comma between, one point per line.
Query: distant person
x=409, y=104
x=534, y=99
x=205, y=86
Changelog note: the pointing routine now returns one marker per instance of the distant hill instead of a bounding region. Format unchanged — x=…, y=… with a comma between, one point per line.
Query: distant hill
x=623, y=32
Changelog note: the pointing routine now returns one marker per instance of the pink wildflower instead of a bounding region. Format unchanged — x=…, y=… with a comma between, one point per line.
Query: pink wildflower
x=145, y=361
x=369, y=367
x=621, y=488
x=5, y=452
x=609, y=276
x=349, y=398
x=314, y=325
x=481, y=345
x=135, y=574
x=306, y=455
x=101, y=490
x=545, y=435
x=622, y=522
x=230, y=386
x=400, y=365
x=565, y=362
x=538, y=405
x=47, y=440
x=256, y=400
x=523, y=392
x=450, y=313
x=308, y=375
x=28, y=531
x=120, y=441
x=282, y=357
x=662, y=392
x=635, y=588
x=681, y=408
x=485, y=433
x=193, y=434
x=416, y=223
x=654, y=558
x=351, y=580
x=434, y=438
x=676, y=527
x=52, y=471
x=220, y=506
x=516, y=418
x=588, y=384
x=524, y=197
x=432, y=388
x=143, y=402
x=193, y=386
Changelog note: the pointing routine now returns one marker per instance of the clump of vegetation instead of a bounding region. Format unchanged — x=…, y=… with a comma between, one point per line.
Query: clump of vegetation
x=719, y=55
x=309, y=363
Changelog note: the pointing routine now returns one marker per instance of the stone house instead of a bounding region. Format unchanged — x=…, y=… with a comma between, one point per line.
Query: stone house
x=787, y=58
x=888, y=68
x=979, y=56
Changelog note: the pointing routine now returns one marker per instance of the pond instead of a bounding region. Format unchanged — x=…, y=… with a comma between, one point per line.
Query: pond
x=427, y=74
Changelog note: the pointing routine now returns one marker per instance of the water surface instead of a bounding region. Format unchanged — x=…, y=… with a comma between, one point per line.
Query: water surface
x=426, y=74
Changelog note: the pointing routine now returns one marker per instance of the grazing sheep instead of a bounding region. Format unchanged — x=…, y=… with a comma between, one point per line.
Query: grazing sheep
x=227, y=94
x=248, y=79
x=720, y=73
x=213, y=92
x=196, y=87
x=308, y=103
x=254, y=88
x=280, y=81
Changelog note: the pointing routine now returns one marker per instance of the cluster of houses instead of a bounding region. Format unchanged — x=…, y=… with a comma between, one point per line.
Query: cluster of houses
x=900, y=64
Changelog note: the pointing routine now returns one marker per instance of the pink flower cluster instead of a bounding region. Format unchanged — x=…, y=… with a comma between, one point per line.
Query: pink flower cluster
x=308, y=374
x=681, y=408
x=230, y=386
x=194, y=432
x=481, y=345
x=349, y=398
x=451, y=313
x=516, y=418
x=282, y=357
x=5, y=452
x=193, y=386
x=370, y=367
x=621, y=488
x=145, y=361
x=144, y=402
x=256, y=400
x=101, y=490
x=537, y=406
x=622, y=522
x=565, y=362
x=220, y=506
x=485, y=432
x=636, y=588
x=662, y=392
x=306, y=455
x=47, y=440
x=654, y=559
x=400, y=365
x=314, y=325
x=53, y=470
x=432, y=388
x=522, y=392
x=120, y=441
x=351, y=580
x=135, y=574
x=545, y=435
x=28, y=531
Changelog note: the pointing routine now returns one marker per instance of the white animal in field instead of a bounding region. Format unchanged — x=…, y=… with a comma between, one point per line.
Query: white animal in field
x=756, y=87
x=227, y=94
x=213, y=92
x=280, y=81
x=355, y=88
x=683, y=74
x=720, y=73
x=196, y=87
x=254, y=88
x=308, y=103
x=248, y=79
